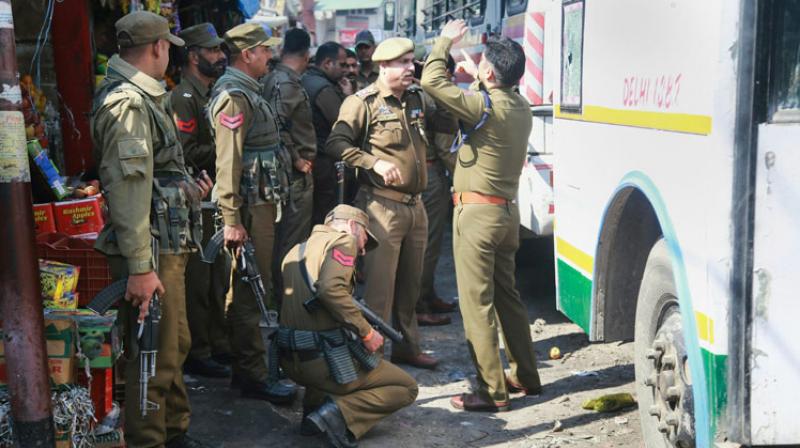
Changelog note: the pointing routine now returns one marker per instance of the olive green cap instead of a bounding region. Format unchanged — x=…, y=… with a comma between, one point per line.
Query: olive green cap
x=392, y=48
x=249, y=35
x=365, y=37
x=202, y=35
x=346, y=212
x=143, y=27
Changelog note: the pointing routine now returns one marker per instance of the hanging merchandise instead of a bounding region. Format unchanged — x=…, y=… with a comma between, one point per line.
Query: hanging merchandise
x=249, y=7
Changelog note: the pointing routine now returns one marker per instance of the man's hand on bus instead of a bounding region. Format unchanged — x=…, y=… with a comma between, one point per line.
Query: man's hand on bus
x=454, y=30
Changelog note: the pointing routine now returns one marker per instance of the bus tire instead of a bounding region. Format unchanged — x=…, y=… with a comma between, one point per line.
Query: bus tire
x=663, y=381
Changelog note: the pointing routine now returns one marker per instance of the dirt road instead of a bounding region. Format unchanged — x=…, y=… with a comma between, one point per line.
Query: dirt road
x=553, y=419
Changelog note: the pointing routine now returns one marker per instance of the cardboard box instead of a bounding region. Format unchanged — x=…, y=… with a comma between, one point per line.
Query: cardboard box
x=79, y=217
x=44, y=219
x=60, y=342
x=98, y=336
x=57, y=281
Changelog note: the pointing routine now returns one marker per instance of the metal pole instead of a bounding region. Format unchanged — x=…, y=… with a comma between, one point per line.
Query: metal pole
x=20, y=298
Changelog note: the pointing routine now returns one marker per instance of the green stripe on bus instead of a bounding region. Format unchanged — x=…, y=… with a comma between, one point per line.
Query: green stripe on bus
x=715, y=367
x=574, y=295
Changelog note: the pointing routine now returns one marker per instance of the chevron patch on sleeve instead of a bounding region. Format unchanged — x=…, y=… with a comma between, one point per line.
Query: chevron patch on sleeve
x=231, y=122
x=187, y=126
x=342, y=258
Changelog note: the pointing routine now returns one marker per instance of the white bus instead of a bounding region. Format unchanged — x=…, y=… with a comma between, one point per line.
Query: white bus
x=676, y=129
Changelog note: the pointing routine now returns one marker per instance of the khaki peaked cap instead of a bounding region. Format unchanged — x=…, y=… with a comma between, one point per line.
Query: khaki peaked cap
x=143, y=27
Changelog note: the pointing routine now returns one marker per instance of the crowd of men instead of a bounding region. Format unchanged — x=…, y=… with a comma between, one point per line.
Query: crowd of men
x=260, y=134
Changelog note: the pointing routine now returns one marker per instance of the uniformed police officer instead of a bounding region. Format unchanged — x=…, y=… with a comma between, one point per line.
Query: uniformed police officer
x=486, y=218
x=282, y=88
x=206, y=284
x=382, y=131
x=323, y=82
x=145, y=183
x=438, y=203
x=253, y=172
x=346, y=395
x=368, y=70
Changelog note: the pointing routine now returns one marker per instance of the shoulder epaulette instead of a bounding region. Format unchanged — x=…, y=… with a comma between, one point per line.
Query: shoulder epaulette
x=366, y=91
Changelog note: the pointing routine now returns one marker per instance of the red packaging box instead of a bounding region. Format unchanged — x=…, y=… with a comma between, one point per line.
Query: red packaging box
x=43, y=218
x=79, y=217
x=101, y=390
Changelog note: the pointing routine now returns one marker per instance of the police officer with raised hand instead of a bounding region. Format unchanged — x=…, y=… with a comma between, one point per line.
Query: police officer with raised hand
x=204, y=62
x=486, y=218
x=382, y=130
x=253, y=171
x=323, y=82
x=141, y=166
x=348, y=388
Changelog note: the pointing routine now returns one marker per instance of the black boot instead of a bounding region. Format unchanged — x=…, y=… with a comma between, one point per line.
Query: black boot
x=184, y=441
x=206, y=367
x=307, y=428
x=329, y=420
x=275, y=393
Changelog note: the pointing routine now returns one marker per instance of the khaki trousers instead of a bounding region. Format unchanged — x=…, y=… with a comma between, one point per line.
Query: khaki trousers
x=294, y=228
x=393, y=270
x=247, y=345
x=485, y=241
x=364, y=402
x=206, y=286
x=438, y=202
x=166, y=388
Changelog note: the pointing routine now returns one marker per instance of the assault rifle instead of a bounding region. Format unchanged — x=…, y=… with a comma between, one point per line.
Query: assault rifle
x=147, y=336
x=312, y=304
x=248, y=269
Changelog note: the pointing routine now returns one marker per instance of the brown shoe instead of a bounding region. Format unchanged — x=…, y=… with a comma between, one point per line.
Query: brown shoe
x=422, y=361
x=473, y=402
x=439, y=306
x=514, y=387
x=431, y=320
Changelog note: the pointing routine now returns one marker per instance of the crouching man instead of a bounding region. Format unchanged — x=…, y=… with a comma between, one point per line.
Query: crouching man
x=325, y=343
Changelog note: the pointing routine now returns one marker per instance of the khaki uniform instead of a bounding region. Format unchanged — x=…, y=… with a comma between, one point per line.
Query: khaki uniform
x=326, y=99
x=285, y=92
x=438, y=201
x=365, y=78
x=374, y=125
x=330, y=257
x=252, y=185
x=135, y=141
x=206, y=284
x=486, y=236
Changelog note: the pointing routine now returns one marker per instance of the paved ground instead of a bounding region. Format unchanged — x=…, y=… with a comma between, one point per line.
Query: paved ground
x=585, y=371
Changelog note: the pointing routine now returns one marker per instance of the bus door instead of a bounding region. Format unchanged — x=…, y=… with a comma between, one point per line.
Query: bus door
x=775, y=331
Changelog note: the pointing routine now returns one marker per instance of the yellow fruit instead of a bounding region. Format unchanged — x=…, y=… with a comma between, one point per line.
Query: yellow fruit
x=555, y=353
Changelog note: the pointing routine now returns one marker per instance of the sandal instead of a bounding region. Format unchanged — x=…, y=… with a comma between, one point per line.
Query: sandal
x=474, y=403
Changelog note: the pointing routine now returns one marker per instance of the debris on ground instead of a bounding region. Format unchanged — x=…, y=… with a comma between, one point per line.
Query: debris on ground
x=558, y=426
x=555, y=353
x=610, y=402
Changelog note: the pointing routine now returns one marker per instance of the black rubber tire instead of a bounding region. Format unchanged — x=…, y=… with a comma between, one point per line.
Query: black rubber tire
x=658, y=299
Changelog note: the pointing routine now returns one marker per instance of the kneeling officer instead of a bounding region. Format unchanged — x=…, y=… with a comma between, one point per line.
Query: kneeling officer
x=331, y=349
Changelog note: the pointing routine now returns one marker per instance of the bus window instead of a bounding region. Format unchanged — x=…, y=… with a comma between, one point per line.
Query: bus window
x=784, y=83
x=439, y=12
x=514, y=7
x=572, y=56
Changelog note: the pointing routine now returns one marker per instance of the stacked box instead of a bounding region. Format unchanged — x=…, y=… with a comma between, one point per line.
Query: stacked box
x=97, y=335
x=60, y=342
x=79, y=217
x=44, y=219
x=59, y=282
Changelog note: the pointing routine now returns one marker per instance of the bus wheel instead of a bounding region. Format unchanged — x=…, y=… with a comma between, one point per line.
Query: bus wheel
x=663, y=382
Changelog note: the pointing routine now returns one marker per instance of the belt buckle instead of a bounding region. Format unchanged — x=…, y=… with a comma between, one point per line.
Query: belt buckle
x=412, y=200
